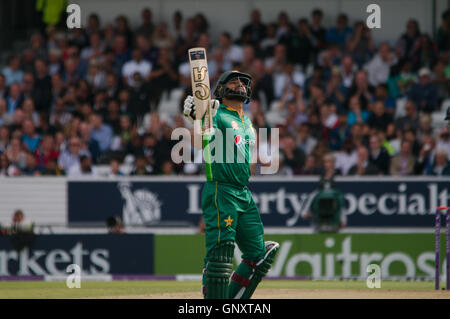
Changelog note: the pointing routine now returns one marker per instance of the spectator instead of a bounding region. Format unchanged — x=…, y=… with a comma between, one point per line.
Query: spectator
x=318, y=32
x=201, y=23
x=83, y=168
x=115, y=225
x=176, y=28
x=363, y=165
x=139, y=98
x=424, y=93
x=358, y=134
x=5, y=117
x=162, y=38
x=425, y=158
x=356, y=114
x=424, y=53
x=378, y=68
x=425, y=126
x=362, y=89
x=328, y=169
x=440, y=165
x=93, y=23
x=410, y=119
x=29, y=91
x=13, y=73
x=379, y=118
x=71, y=156
x=149, y=51
x=382, y=94
x=262, y=84
x=95, y=49
x=52, y=169
x=329, y=118
x=286, y=78
x=441, y=77
x=45, y=152
x=443, y=33
x=444, y=140
x=335, y=90
x=270, y=41
x=163, y=77
x=403, y=163
x=217, y=65
x=340, y=33
x=284, y=25
x=256, y=28
x=276, y=62
x=29, y=112
x=310, y=167
x=30, y=169
x=4, y=138
x=140, y=166
x=96, y=77
x=43, y=84
x=147, y=26
x=232, y=53
x=20, y=224
x=305, y=141
x=136, y=65
x=400, y=83
x=347, y=157
x=360, y=44
x=248, y=54
x=30, y=138
x=407, y=40
x=114, y=168
x=15, y=153
x=59, y=117
x=122, y=53
x=101, y=132
x=378, y=156
x=330, y=58
x=299, y=44
x=122, y=28
x=6, y=169
x=3, y=87
x=348, y=71
x=167, y=168
x=14, y=98
x=340, y=133
x=293, y=156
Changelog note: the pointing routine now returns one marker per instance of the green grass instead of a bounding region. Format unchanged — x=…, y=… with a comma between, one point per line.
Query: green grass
x=54, y=290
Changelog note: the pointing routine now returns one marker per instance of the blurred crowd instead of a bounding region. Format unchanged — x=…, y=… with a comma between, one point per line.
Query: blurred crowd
x=76, y=100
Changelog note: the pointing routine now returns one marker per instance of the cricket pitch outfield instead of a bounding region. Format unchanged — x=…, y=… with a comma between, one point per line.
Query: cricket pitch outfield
x=273, y=289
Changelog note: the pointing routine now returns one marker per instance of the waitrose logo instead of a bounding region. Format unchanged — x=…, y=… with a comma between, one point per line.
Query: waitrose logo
x=335, y=257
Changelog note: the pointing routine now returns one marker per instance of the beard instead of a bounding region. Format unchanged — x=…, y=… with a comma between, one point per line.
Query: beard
x=239, y=96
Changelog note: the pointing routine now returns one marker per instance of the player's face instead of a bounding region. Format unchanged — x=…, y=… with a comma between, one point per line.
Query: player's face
x=236, y=85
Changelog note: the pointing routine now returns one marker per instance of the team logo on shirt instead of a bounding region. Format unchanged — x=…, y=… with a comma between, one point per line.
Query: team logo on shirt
x=234, y=125
x=238, y=140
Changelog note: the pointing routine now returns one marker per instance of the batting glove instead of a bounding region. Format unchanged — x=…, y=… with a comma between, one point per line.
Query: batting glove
x=189, y=108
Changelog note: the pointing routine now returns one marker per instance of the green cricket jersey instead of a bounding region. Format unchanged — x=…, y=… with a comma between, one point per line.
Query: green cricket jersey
x=237, y=138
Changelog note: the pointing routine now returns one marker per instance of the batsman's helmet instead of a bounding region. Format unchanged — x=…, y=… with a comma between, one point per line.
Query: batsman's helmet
x=222, y=91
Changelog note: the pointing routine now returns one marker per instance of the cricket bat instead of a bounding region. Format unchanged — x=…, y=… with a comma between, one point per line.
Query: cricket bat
x=201, y=92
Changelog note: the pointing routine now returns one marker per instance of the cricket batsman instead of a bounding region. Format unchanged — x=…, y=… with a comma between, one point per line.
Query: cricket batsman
x=229, y=211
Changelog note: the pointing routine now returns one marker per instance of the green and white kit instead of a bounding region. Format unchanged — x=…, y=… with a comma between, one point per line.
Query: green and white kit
x=230, y=213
